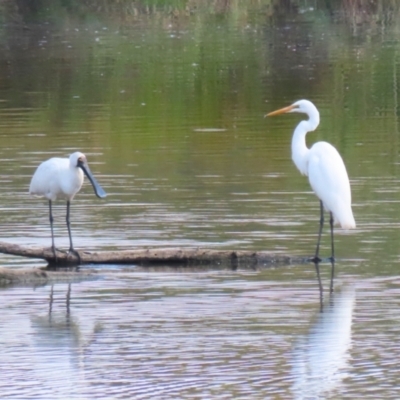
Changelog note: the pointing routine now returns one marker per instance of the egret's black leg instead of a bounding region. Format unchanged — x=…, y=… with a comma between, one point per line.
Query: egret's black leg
x=333, y=254
x=332, y=275
x=321, y=224
x=71, y=246
x=332, y=244
x=53, y=247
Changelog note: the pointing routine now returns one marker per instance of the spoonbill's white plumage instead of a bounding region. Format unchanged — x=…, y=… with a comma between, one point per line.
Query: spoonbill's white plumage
x=325, y=169
x=62, y=178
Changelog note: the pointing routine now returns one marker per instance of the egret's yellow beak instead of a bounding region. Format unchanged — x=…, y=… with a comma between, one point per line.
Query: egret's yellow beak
x=280, y=111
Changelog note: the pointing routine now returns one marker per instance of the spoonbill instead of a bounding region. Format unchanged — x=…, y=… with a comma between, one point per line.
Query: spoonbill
x=62, y=178
x=325, y=169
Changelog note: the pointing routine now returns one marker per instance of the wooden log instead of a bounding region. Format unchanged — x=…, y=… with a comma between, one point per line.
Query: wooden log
x=155, y=256
x=38, y=276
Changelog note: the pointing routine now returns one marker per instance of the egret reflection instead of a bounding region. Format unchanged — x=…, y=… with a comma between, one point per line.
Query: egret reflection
x=320, y=286
x=320, y=359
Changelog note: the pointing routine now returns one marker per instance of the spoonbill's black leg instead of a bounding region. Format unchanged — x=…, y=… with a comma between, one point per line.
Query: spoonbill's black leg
x=71, y=246
x=53, y=247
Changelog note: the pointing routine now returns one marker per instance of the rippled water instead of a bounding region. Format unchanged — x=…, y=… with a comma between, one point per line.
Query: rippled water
x=168, y=107
x=141, y=335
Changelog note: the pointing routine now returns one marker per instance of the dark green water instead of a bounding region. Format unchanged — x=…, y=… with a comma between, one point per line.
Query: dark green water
x=167, y=102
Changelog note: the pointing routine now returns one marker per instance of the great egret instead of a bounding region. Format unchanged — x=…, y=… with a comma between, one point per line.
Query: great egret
x=62, y=178
x=325, y=169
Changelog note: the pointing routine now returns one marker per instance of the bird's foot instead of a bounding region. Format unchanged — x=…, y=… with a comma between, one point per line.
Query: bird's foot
x=54, y=250
x=55, y=262
x=73, y=251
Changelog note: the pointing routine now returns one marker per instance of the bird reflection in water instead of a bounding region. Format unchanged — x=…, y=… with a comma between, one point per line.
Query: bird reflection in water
x=68, y=300
x=58, y=347
x=320, y=359
x=321, y=289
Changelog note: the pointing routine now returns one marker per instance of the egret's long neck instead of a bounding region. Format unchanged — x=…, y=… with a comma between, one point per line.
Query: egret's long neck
x=299, y=147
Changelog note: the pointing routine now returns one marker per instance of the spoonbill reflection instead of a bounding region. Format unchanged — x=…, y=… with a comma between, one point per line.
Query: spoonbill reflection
x=58, y=347
x=62, y=178
x=325, y=169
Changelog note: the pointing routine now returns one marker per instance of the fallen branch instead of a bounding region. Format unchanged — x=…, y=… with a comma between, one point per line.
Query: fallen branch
x=155, y=256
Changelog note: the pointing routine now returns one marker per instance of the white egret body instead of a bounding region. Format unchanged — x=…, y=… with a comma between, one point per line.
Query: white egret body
x=324, y=167
x=62, y=178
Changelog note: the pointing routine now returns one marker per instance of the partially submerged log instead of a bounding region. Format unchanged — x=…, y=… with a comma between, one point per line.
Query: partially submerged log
x=39, y=276
x=155, y=256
